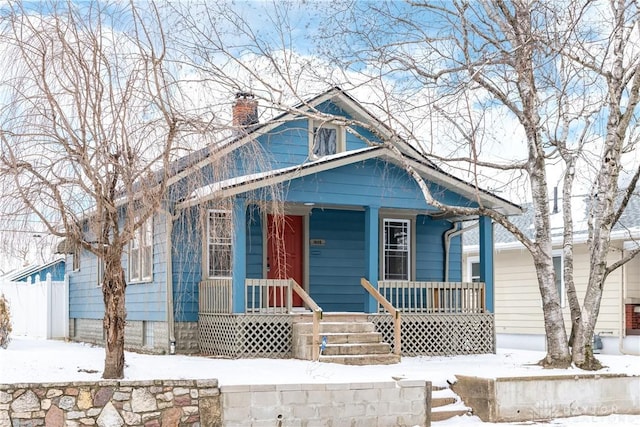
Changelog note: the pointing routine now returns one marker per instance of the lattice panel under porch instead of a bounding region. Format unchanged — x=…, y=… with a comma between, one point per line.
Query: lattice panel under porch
x=265, y=335
x=440, y=334
x=245, y=336
x=218, y=335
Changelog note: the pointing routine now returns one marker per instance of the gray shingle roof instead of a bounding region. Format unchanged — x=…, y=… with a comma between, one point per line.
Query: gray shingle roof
x=629, y=220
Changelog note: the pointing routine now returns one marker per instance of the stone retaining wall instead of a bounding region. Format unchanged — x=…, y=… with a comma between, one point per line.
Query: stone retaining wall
x=382, y=404
x=185, y=403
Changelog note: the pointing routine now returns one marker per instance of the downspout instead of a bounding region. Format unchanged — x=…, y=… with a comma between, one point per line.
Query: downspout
x=623, y=287
x=169, y=261
x=448, y=235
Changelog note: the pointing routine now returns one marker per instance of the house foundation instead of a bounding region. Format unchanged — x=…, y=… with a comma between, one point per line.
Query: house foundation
x=144, y=336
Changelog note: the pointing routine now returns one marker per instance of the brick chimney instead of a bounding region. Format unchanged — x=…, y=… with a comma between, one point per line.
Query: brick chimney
x=245, y=110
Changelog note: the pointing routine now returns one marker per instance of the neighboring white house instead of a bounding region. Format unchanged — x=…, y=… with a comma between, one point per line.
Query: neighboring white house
x=518, y=305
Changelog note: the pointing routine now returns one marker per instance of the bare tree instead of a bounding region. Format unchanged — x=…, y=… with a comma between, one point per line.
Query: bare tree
x=507, y=89
x=566, y=77
x=88, y=128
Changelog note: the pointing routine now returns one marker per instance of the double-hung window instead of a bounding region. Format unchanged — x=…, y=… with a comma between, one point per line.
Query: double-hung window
x=396, y=250
x=219, y=244
x=141, y=253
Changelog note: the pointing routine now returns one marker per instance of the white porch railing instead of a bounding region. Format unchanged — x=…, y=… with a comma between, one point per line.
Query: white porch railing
x=215, y=296
x=434, y=297
x=276, y=296
x=268, y=296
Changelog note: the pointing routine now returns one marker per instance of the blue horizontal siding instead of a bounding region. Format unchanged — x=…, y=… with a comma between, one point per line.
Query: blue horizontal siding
x=254, y=243
x=143, y=301
x=371, y=182
x=187, y=247
x=335, y=269
x=430, y=251
x=85, y=297
x=287, y=145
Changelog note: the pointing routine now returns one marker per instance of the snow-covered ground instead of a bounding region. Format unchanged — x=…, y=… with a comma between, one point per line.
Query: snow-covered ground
x=27, y=360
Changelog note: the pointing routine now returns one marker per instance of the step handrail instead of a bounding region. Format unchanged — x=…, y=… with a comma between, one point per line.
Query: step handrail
x=395, y=313
x=317, y=316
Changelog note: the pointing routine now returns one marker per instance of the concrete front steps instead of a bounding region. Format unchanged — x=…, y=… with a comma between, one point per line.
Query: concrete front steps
x=351, y=340
x=445, y=404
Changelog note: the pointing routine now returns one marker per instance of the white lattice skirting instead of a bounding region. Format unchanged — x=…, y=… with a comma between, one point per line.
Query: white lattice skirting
x=246, y=336
x=440, y=334
x=267, y=335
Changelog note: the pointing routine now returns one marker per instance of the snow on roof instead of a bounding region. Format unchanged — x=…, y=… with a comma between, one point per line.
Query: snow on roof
x=628, y=227
x=209, y=189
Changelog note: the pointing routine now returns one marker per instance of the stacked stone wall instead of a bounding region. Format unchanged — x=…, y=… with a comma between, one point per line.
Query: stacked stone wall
x=158, y=403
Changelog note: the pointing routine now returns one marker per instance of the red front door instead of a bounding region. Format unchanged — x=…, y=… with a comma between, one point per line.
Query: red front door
x=284, y=253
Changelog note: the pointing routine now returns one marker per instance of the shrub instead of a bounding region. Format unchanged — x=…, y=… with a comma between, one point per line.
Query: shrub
x=5, y=322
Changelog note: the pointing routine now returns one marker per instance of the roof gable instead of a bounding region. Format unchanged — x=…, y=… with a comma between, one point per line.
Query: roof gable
x=317, y=107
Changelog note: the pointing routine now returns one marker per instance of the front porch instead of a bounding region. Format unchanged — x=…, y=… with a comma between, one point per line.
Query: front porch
x=414, y=318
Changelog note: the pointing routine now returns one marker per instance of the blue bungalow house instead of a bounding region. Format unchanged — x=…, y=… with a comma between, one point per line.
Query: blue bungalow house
x=296, y=236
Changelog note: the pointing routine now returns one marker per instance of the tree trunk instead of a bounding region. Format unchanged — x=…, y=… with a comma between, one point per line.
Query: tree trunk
x=558, y=355
x=113, y=290
x=582, y=349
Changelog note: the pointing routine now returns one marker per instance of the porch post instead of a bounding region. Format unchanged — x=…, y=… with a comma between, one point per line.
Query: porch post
x=239, y=253
x=372, y=245
x=486, y=260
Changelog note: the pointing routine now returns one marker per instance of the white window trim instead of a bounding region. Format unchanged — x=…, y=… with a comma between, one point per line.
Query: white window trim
x=140, y=232
x=99, y=271
x=558, y=253
x=410, y=245
x=208, y=245
x=470, y=261
x=341, y=145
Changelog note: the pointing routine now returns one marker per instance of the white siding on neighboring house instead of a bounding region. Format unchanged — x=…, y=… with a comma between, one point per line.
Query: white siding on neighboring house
x=518, y=306
x=632, y=273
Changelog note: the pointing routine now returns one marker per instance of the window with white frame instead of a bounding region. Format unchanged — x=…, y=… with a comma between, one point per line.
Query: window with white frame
x=396, y=249
x=474, y=269
x=219, y=244
x=141, y=253
x=558, y=266
x=325, y=139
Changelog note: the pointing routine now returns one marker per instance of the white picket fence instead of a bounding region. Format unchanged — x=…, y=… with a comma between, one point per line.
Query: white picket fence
x=39, y=309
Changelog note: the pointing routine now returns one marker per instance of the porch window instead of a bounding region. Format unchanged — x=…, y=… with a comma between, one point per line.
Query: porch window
x=325, y=140
x=141, y=253
x=396, y=249
x=220, y=244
